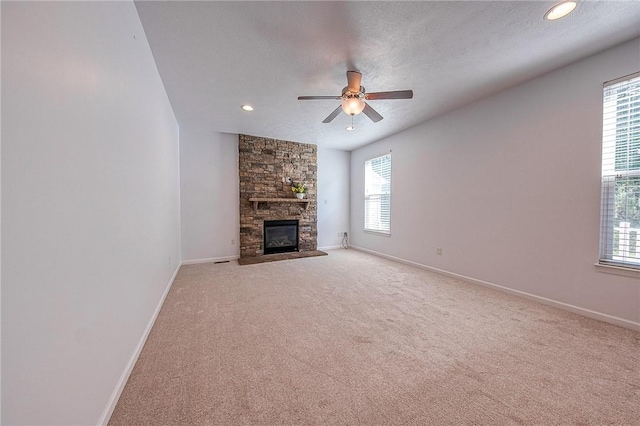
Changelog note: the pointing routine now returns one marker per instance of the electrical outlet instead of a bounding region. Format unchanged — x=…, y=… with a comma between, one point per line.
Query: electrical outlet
x=339, y=234
x=439, y=251
x=233, y=242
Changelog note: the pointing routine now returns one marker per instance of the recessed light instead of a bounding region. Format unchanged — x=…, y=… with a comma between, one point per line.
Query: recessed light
x=560, y=10
x=247, y=107
x=350, y=128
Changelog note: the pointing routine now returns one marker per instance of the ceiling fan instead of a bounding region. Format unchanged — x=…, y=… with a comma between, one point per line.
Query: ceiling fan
x=353, y=99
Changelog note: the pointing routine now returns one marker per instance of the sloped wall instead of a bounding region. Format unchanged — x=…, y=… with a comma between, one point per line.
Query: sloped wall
x=90, y=206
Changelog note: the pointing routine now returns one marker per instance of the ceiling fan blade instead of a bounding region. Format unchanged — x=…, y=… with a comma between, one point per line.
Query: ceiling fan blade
x=371, y=113
x=333, y=115
x=309, y=98
x=354, y=78
x=396, y=94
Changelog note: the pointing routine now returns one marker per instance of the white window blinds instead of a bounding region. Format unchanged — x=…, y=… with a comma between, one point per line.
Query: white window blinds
x=377, y=194
x=620, y=215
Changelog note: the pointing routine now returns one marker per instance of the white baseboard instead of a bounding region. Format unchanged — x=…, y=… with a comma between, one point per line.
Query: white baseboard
x=211, y=259
x=113, y=401
x=330, y=247
x=565, y=306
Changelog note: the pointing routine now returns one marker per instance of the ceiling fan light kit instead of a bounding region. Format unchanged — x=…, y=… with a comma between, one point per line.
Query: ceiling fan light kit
x=353, y=106
x=353, y=99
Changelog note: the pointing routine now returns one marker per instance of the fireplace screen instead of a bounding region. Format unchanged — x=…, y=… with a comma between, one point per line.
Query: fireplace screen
x=280, y=236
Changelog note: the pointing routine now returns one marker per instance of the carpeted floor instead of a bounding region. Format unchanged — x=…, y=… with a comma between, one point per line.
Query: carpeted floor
x=351, y=338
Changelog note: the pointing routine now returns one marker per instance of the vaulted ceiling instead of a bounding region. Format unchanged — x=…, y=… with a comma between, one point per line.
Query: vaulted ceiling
x=215, y=56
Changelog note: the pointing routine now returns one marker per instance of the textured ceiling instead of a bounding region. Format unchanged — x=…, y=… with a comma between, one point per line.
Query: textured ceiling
x=215, y=56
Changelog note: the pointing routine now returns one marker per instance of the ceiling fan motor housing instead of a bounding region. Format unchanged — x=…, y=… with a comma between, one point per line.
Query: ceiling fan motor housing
x=348, y=94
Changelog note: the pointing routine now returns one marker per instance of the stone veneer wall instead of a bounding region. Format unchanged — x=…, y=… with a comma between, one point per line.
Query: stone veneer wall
x=265, y=164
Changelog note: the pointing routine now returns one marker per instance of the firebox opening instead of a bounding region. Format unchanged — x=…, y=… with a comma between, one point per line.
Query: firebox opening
x=280, y=236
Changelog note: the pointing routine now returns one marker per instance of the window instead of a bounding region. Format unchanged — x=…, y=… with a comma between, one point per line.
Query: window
x=620, y=216
x=377, y=194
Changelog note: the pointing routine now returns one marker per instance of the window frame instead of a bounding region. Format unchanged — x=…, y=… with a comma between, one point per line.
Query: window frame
x=609, y=177
x=382, y=230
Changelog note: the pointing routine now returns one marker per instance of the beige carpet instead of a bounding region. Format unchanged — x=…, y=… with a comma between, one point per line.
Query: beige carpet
x=350, y=338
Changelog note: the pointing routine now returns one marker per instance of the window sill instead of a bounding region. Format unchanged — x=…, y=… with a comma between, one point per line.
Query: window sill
x=381, y=233
x=617, y=270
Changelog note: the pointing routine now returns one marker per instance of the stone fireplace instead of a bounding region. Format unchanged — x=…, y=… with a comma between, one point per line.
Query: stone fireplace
x=267, y=167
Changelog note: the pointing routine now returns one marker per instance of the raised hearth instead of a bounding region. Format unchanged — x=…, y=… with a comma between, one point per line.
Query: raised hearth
x=281, y=256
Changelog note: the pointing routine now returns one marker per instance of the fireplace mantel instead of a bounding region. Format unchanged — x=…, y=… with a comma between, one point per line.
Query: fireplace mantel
x=255, y=201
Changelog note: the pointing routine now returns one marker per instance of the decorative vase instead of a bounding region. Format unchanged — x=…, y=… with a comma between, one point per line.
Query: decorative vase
x=300, y=195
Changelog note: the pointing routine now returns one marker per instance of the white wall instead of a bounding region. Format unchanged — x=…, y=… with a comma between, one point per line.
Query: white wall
x=509, y=188
x=333, y=196
x=1, y=316
x=90, y=208
x=209, y=194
